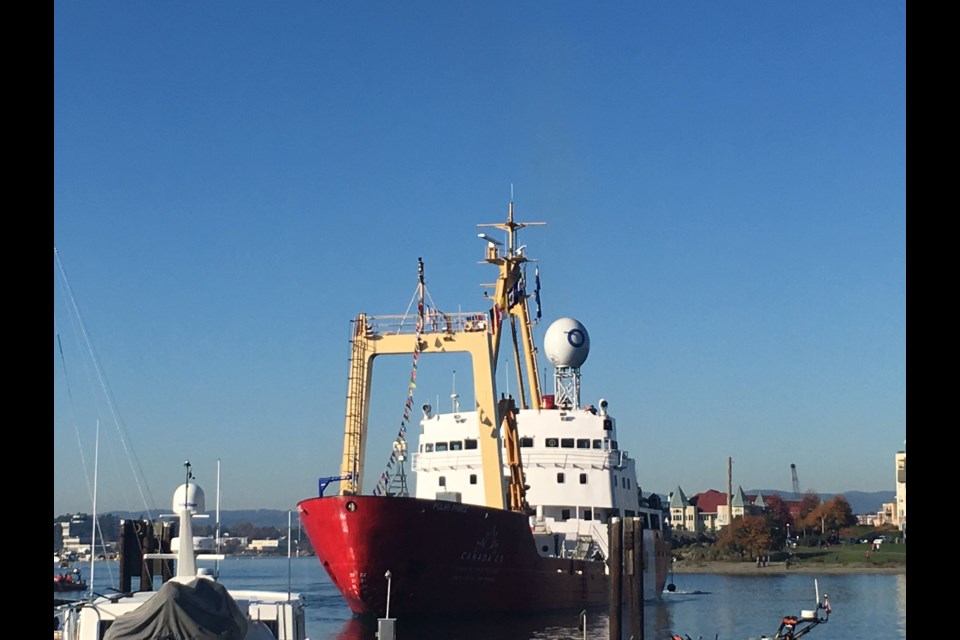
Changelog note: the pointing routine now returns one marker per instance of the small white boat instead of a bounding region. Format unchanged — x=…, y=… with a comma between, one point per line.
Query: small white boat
x=171, y=610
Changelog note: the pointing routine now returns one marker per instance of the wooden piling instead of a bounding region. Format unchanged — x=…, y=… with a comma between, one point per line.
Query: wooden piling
x=615, y=537
x=631, y=560
x=639, y=565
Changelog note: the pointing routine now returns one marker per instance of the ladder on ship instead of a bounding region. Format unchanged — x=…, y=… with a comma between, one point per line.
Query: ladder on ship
x=584, y=545
x=357, y=406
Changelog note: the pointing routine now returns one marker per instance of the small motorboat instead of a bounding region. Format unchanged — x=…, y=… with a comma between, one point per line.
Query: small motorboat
x=793, y=627
x=71, y=581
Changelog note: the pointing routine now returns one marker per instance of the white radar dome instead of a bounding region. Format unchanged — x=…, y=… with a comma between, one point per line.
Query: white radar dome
x=189, y=496
x=566, y=343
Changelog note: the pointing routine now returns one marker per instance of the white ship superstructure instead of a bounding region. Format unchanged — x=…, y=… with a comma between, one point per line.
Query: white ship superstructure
x=577, y=475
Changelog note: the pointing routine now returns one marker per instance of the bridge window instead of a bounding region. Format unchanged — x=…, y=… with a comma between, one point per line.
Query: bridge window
x=428, y=447
x=598, y=444
x=552, y=442
x=443, y=481
x=526, y=442
x=456, y=445
x=561, y=478
x=469, y=443
x=613, y=445
x=473, y=478
x=565, y=514
x=587, y=515
x=583, y=478
x=442, y=446
x=607, y=424
x=583, y=443
x=566, y=443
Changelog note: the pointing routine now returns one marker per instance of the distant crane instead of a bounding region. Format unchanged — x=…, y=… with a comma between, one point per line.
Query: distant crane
x=796, y=482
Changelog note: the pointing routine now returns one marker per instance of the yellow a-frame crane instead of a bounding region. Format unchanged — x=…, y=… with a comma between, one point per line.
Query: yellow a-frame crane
x=478, y=334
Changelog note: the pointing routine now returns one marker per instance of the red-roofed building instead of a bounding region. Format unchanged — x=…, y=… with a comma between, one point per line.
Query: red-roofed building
x=708, y=511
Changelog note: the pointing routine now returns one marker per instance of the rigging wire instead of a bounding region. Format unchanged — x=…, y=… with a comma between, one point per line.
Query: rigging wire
x=107, y=394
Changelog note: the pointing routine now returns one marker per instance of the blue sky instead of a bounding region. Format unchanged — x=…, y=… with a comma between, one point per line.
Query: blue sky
x=724, y=187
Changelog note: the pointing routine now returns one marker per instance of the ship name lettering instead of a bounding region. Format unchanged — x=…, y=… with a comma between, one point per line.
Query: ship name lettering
x=449, y=506
x=482, y=557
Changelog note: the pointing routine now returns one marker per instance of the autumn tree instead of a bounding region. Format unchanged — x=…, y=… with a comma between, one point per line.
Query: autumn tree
x=779, y=514
x=749, y=536
x=832, y=516
x=806, y=520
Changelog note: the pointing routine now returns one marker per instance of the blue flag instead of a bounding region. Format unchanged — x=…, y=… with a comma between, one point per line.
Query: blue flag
x=516, y=294
x=536, y=291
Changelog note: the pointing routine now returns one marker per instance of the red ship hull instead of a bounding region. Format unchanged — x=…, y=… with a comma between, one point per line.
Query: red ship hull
x=444, y=557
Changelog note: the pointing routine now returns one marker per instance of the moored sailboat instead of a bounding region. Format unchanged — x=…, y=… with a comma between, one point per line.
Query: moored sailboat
x=191, y=604
x=512, y=498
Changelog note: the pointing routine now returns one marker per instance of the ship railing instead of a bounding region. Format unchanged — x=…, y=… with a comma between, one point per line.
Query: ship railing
x=433, y=322
x=586, y=458
x=449, y=460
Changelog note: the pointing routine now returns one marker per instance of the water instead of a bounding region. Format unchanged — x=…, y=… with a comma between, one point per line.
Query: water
x=714, y=607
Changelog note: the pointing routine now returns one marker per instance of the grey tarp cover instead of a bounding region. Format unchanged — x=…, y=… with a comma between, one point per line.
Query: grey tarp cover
x=202, y=610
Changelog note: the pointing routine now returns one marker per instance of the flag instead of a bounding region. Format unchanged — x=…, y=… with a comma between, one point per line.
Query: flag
x=536, y=291
x=497, y=317
x=517, y=293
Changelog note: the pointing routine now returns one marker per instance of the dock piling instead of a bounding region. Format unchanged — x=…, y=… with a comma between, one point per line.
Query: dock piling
x=615, y=535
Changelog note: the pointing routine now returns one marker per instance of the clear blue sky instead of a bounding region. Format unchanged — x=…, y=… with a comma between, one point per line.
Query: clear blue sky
x=723, y=185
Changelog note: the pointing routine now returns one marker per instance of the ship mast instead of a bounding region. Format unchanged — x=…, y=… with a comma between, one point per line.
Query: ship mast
x=510, y=297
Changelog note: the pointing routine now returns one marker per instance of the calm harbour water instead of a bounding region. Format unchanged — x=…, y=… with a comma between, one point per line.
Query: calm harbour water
x=707, y=606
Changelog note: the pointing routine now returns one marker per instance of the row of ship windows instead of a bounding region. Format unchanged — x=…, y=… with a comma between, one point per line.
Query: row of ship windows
x=561, y=479
x=551, y=443
x=647, y=521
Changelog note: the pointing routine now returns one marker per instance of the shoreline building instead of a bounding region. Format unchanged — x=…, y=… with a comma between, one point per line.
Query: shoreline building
x=900, y=507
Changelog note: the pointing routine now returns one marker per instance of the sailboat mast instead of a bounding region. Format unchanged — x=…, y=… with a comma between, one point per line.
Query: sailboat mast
x=217, y=566
x=93, y=532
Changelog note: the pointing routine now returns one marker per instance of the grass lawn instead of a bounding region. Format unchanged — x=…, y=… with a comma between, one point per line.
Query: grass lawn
x=853, y=554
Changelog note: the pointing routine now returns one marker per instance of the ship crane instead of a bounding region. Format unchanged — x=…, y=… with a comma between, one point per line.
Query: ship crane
x=477, y=334
x=796, y=482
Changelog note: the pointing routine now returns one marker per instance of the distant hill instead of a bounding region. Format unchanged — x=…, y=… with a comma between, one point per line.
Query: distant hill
x=861, y=502
x=276, y=518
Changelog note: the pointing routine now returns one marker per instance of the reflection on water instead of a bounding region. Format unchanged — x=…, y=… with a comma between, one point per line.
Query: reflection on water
x=901, y=601
x=865, y=607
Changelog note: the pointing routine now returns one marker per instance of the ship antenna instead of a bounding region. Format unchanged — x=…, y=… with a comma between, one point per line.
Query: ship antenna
x=454, y=396
x=420, y=287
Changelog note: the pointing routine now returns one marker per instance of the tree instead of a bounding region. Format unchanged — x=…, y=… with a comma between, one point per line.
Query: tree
x=779, y=513
x=808, y=505
x=748, y=536
x=832, y=516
